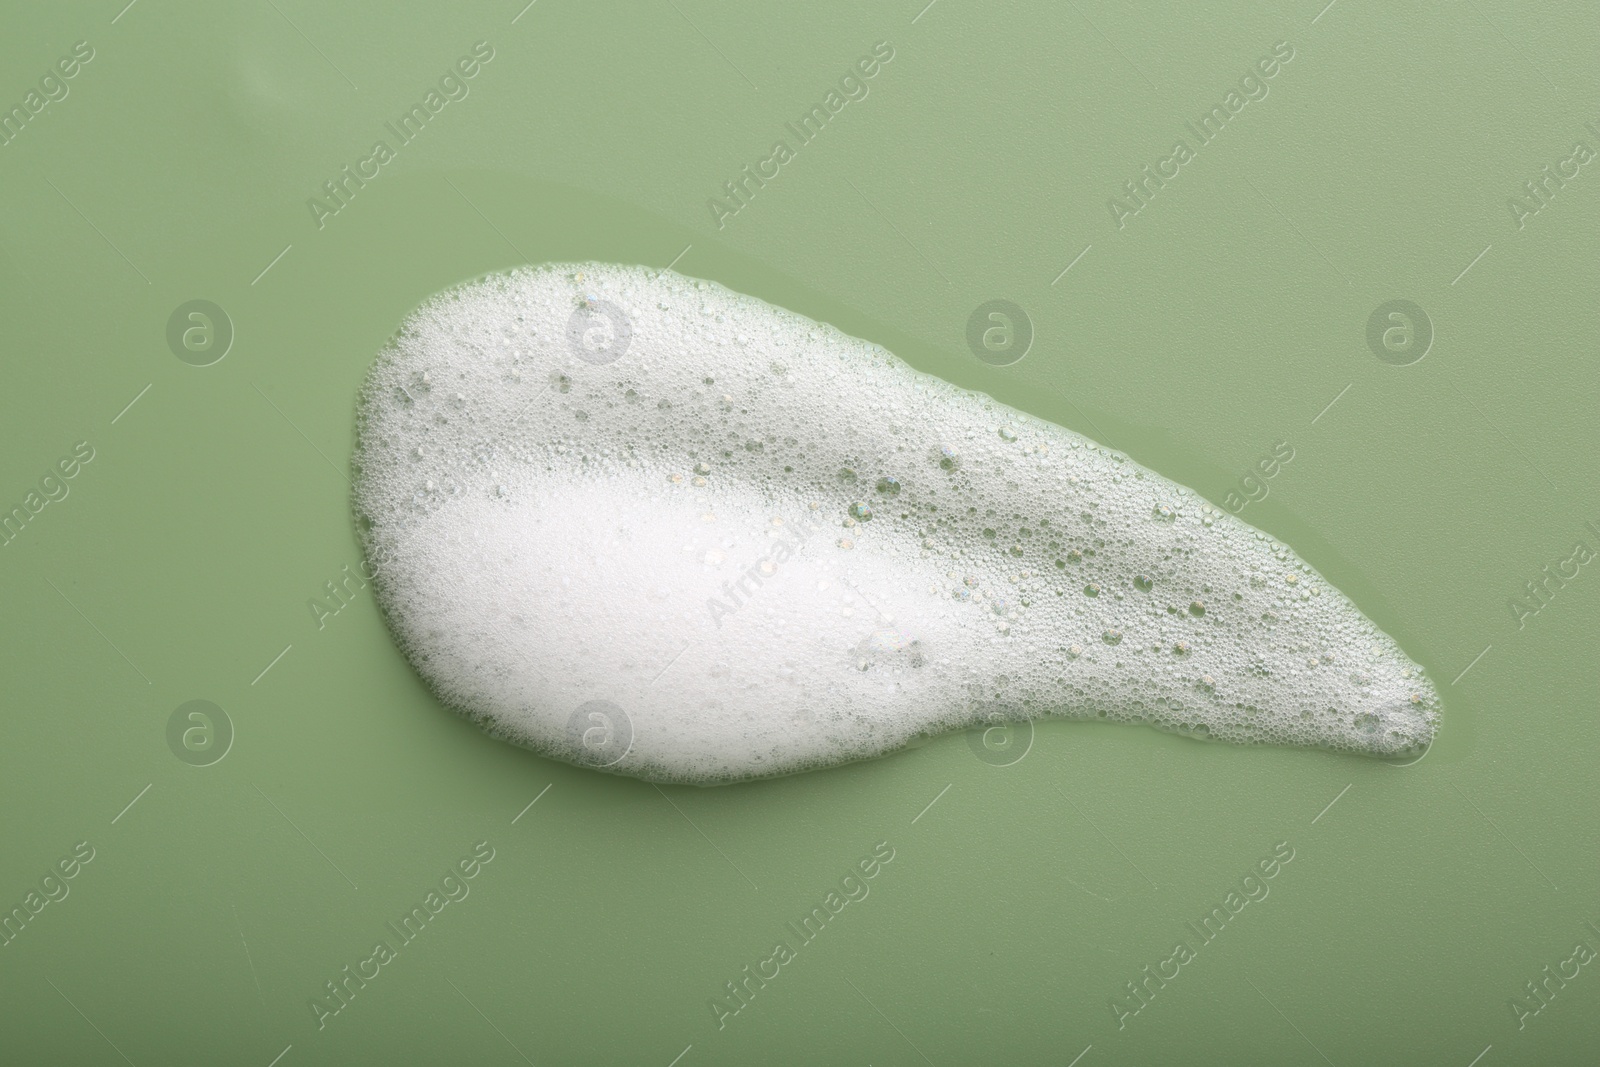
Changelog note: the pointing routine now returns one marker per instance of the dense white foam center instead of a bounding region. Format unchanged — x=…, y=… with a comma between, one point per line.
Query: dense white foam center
x=644, y=523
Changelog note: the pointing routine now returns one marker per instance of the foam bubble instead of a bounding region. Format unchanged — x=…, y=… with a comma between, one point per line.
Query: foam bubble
x=644, y=523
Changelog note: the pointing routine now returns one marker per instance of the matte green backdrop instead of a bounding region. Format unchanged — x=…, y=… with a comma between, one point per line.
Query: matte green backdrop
x=1387, y=160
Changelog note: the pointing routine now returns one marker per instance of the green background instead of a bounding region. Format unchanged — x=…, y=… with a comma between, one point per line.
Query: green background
x=1223, y=318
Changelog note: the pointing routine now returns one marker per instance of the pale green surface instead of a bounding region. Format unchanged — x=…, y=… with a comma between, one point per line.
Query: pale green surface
x=1214, y=325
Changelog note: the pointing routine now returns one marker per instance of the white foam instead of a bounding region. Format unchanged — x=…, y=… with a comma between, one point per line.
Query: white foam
x=620, y=518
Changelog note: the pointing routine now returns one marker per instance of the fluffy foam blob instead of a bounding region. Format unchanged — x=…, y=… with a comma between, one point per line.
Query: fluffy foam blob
x=643, y=523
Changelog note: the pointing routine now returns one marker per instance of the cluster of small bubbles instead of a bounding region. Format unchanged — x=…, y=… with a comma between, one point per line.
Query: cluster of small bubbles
x=504, y=476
